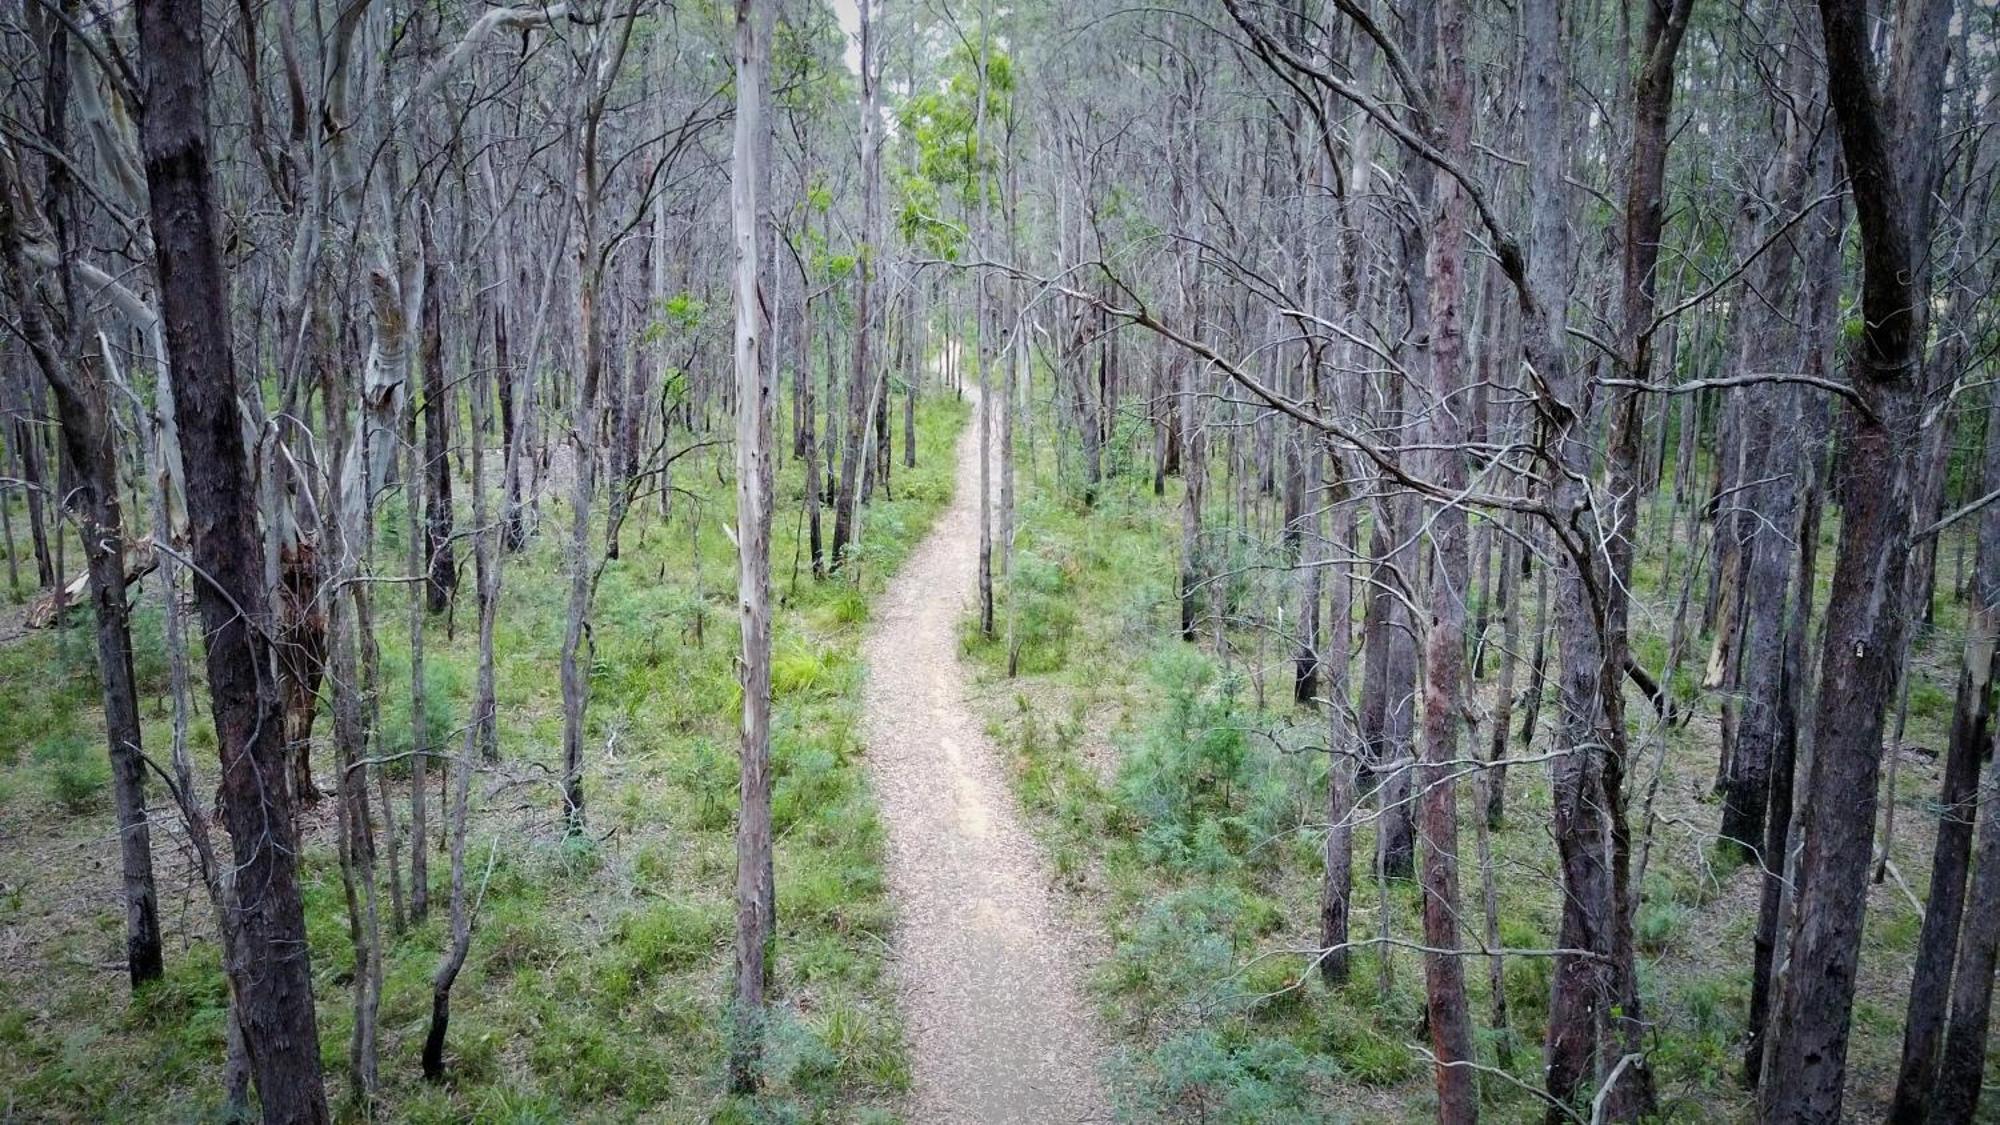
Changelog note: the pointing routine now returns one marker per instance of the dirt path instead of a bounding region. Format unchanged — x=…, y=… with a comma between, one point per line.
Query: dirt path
x=989, y=983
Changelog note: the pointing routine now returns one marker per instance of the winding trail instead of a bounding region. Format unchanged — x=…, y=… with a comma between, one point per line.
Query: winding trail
x=986, y=973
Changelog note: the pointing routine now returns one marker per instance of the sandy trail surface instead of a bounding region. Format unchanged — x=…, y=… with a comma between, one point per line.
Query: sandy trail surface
x=987, y=973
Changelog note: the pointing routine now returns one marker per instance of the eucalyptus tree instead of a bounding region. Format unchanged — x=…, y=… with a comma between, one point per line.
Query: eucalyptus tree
x=269, y=967
x=749, y=184
x=1888, y=127
x=76, y=370
x=868, y=382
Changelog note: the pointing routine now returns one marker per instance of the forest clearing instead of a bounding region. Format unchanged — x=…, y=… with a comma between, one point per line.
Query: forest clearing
x=957, y=561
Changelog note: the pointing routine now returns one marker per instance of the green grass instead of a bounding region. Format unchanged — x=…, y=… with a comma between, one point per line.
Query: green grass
x=599, y=968
x=1177, y=793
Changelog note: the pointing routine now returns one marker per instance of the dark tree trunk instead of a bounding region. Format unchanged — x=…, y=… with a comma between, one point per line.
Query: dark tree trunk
x=1337, y=878
x=271, y=972
x=810, y=437
x=1971, y=742
x=28, y=450
x=84, y=408
x=442, y=569
x=302, y=657
x=1445, y=1007
x=1889, y=144
x=1784, y=769
x=1494, y=790
x=1962, y=1064
x=1388, y=681
x=510, y=469
x=913, y=373
x=1770, y=462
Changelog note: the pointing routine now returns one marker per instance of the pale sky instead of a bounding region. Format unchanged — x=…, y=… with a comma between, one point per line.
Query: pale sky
x=850, y=22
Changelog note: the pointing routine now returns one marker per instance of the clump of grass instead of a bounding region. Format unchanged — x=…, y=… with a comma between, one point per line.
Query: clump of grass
x=1929, y=703
x=78, y=774
x=671, y=935
x=1658, y=923
x=800, y=669
x=1226, y=1076
x=848, y=607
x=1362, y=1051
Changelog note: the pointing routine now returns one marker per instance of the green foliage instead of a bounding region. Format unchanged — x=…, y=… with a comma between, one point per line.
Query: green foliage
x=1041, y=609
x=48, y=684
x=1528, y=979
x=1658, y=923
x=1930, y=704
x=78, y=772
x=1208, y=1075
x=1363, y=1052
x=938, y=134
x=1181, y=951
x=1201, y=792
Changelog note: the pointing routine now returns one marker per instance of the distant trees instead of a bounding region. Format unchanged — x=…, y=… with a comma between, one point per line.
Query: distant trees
x=1567, y=431
x=75, y=370
x=417, y=308
x=1445, y=332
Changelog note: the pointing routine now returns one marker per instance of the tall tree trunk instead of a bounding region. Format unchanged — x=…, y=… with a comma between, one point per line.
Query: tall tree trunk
x=1337, y=880
x=862, y=387
x=1449, y=1017
x=486, y=545
x=1962, y=1062
x=1389, y=679
x=437, y=435
x=1780, y=813
x=913, y=372
x=754, y=911
x=27, y=450
x=271, y=972
x=808, y=434
x=420, y=739
x=1770, y=460
x=1586, y=984
x=1971, y=741
x=607, y=52
x=1493, y=790
x=84, y=407
x=1889, y=140
x=983, y=332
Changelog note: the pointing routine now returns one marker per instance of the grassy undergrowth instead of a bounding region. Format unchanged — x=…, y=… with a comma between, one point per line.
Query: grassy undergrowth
x=1181, y=796
x=599, y=966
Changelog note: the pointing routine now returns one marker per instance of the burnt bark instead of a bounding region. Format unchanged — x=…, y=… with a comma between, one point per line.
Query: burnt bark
x=1958, y=799
x=271, y=974
x=441, y=569
x=1888, y=137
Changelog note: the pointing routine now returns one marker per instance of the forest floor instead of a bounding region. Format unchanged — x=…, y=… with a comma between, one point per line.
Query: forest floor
x=599, y=966
x=1179, y=797
x=988, y=978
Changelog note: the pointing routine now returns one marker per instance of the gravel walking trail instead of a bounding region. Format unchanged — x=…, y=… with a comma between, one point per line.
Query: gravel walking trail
x=989, y=980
